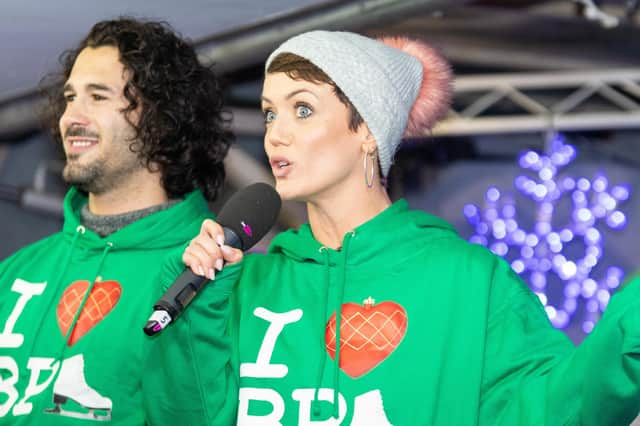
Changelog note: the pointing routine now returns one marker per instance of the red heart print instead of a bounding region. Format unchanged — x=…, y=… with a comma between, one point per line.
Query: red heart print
x=103, y=297
x=369, y=333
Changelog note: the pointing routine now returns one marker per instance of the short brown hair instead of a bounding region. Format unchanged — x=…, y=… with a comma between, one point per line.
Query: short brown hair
x=299, y=68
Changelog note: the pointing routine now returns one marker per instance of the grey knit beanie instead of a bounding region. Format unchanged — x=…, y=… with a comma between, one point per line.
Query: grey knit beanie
x=381, y=82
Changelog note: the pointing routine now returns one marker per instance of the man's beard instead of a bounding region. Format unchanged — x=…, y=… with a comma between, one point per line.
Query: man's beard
x=97, y=177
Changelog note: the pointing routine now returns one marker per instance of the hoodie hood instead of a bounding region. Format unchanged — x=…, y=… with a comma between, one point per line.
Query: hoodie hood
x=396, y=226
x=156, y=231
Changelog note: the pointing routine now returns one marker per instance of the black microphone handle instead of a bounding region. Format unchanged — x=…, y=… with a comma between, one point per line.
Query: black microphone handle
x=183, y=291
x=188, y=284
x=180, y=294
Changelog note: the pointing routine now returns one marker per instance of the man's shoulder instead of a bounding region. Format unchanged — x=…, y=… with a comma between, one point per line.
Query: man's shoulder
x=37, y=248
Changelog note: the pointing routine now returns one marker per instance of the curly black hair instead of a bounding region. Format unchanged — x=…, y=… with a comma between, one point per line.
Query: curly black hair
x=181, y=129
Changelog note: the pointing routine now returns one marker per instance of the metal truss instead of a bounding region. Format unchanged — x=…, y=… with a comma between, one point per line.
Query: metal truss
x=509, y=103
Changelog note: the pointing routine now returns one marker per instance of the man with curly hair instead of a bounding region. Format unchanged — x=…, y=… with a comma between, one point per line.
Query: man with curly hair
x=140, y=122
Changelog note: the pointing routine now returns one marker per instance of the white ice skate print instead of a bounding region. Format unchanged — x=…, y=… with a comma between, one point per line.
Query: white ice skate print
x=369, y=410
x=71, y=385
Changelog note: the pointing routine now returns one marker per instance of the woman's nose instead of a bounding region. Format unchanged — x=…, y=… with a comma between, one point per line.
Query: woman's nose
x=278, y=133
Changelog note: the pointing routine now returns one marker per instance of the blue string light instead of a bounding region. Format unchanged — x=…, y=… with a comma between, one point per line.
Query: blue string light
x=542, y=252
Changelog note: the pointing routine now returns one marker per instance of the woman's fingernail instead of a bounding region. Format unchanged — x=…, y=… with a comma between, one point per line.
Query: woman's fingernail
x=225, y=249
x=212, y=274
x=219, y=264
x=220, y=239
x=201, y=271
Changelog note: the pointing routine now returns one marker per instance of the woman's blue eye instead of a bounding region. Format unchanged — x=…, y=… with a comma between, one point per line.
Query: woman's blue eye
x=269, y=116
x=303, y=111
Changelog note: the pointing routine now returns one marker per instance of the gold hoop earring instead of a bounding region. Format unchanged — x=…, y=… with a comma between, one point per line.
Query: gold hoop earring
x=369, y=180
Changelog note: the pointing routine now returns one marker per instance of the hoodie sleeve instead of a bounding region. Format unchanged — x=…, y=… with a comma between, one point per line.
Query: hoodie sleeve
x=534, y=375
x=190, y=379
x=4, y=279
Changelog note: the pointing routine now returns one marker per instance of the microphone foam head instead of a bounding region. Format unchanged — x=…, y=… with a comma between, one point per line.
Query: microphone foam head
x=250, y=213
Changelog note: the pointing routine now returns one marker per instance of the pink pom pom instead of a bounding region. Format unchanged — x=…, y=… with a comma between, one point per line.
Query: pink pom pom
x=434, y=97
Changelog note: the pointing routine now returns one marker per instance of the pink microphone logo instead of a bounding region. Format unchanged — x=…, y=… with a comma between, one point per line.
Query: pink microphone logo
x=247, y=229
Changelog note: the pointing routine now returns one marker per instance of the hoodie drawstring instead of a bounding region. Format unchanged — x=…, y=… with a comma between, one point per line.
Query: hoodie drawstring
x=92, y=283
x=325, y=303
x=338, y=309
x=80, y=230
x=339, y=299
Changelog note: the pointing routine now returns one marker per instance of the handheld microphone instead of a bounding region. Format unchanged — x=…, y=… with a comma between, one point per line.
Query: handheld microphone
x=245, y=218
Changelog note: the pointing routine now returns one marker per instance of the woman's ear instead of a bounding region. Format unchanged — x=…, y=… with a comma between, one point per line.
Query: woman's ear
x=369, y=146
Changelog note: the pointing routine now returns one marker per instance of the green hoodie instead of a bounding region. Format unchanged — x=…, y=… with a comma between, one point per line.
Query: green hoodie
x=433, y=330
x=100, y=365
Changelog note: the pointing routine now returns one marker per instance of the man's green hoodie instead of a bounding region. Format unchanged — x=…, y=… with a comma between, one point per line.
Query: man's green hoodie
x=433, y=330
x=61, y=368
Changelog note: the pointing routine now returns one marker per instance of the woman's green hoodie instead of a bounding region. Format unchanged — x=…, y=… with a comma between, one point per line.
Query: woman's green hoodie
x=55, y=366
x=433, y=330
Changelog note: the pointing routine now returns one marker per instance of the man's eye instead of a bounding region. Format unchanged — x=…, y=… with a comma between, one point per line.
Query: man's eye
x=303, y=111
x=97, y=97
x=69, y=98
x=269, y=116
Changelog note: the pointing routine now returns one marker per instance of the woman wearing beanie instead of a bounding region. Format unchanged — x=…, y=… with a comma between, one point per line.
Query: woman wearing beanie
x=372, y=313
